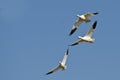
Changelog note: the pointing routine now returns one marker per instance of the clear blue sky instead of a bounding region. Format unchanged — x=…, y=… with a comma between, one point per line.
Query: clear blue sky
x=34, y=37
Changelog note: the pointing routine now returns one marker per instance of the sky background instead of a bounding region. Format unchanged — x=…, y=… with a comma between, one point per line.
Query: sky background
x=34, y=35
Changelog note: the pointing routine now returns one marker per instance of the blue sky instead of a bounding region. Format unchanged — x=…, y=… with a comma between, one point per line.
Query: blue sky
x=34, y=35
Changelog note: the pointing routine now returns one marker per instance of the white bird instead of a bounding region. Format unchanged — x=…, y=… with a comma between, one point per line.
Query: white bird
x=61, y=64
x=82, y=18
x=87, y=37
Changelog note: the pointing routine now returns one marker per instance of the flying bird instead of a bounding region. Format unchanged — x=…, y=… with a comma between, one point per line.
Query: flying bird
x=81, y=19
x=87, y=37
x=61, y=64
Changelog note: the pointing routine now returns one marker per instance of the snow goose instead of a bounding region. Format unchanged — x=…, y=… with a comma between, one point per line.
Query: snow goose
x=82, y=18
x=61, y=64
x=87, y=37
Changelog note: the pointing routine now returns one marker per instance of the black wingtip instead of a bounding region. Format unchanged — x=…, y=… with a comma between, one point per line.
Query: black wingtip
x=49, y=73
x=95, y=13
x=67, y=51
x=73, y=44
x=72, y=31
x=94, y=25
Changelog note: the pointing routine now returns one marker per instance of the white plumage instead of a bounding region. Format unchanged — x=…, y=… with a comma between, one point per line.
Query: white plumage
x=87, y=37
x=62, y=65
x=81, y=18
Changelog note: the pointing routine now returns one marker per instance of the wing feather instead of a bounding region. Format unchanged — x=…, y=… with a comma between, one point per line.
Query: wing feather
x=65, y=57
x=53, y=70
x=91, y=30
x=76, y=25
x=77, y=42
x=88, y=14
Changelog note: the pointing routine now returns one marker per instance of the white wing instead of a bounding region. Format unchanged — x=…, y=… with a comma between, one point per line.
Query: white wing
x=65, y=57
x=90, y=32
x=78, y=42
x=53, y=70
x=90, y=14
x=76, y=25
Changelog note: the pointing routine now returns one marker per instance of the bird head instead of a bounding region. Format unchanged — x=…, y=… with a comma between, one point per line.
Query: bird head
x=93, y=40
x=78, y=15
x=60, y=62
x=79, y=37
x=65, y=67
